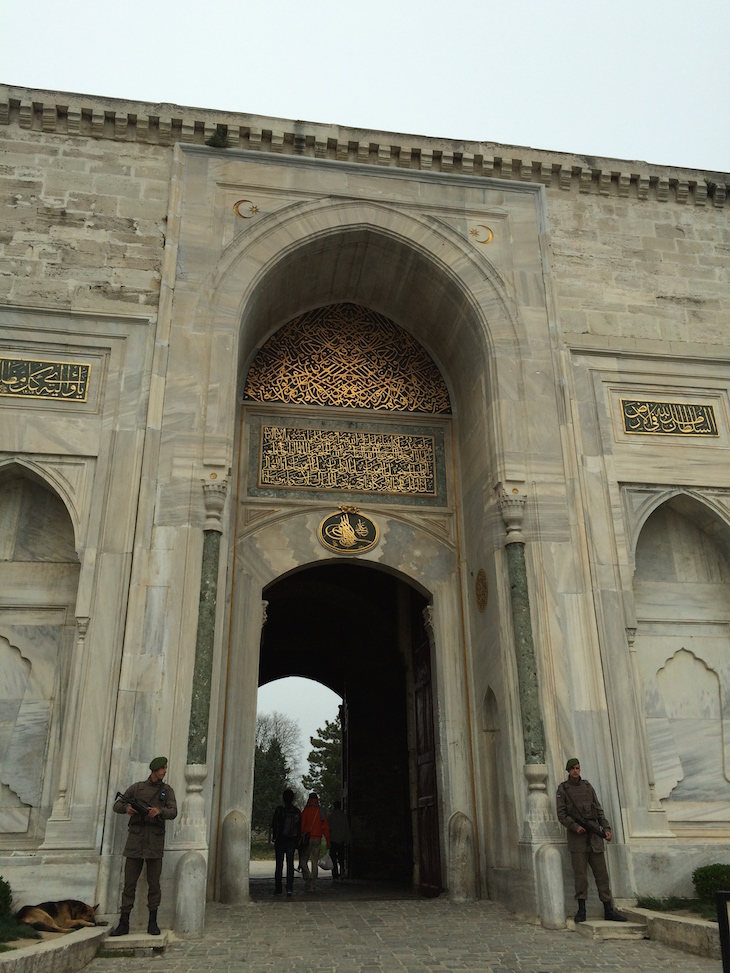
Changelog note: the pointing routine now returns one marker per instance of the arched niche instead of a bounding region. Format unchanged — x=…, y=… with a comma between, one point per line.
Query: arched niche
x=682, y=597
x=39, y=572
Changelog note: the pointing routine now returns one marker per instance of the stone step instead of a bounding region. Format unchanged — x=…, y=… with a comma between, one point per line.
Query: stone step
x=137, y=943
x=597, y=929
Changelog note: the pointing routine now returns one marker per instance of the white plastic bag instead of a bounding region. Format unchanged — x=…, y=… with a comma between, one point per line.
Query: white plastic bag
x=325, y=862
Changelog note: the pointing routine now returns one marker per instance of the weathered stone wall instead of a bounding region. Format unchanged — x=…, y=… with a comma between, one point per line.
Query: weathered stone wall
x=640, y=274
x=640, y=252
x=83, y=221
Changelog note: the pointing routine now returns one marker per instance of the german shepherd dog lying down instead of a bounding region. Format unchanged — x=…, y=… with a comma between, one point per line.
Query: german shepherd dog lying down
x=63, y=916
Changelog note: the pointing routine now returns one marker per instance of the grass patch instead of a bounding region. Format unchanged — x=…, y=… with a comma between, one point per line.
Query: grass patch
x=261, y=850
x=10, y=930
x=704, y=910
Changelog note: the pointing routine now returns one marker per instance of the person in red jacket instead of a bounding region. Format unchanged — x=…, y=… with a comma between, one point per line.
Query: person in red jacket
x=314, y=821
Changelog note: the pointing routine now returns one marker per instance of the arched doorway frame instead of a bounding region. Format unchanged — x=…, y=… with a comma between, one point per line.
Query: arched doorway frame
x=257, y=566
x=233, y=300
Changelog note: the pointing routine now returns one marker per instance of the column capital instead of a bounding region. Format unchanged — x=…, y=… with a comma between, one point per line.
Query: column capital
x=214, y=495
x=512, y=508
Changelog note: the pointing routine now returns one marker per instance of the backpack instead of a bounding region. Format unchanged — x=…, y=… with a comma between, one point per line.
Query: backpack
x=288, y=822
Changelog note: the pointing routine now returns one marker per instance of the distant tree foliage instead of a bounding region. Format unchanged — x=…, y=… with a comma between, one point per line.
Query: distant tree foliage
x=286, y=730
x=325, y=763
x=278, y=748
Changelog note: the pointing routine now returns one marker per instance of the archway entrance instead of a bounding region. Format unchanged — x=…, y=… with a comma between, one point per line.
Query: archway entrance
x=360, y=631
x=345, y=415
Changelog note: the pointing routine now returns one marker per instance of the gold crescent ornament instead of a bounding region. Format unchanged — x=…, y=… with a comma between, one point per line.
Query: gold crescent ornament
x=237, y=209
x=477, y=232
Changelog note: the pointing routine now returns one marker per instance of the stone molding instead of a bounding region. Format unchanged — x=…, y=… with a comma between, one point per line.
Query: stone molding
x=63, y=113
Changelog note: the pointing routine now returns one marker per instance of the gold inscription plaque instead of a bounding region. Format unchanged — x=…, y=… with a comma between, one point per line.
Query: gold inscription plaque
x=668, y=418
x=347, y=459
x=348, y=356
x=28, y=378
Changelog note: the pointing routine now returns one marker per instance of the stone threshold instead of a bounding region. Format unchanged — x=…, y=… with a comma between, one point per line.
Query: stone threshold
x=136, y=944
x=599, y=929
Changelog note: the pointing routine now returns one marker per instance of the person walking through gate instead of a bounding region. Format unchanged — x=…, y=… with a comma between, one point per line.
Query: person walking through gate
x=579, y=811
x=339, y=836
x=314, y=822
x=286, y=828
x=145, y=841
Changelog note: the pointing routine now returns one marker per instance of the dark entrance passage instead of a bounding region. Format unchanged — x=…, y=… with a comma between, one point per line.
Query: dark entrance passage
x=360, y=632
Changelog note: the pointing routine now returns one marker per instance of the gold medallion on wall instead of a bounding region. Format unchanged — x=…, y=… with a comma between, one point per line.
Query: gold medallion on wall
x=348, y=532
x=481, y=589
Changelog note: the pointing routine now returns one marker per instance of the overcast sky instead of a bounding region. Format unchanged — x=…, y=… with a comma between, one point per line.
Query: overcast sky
x=306, y=701
x=630, y=79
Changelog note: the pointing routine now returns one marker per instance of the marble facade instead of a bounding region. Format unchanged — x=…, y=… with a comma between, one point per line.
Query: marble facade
x=550, y=291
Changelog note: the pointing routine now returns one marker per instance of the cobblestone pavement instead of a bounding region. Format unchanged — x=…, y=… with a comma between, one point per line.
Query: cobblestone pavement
x=332, y=931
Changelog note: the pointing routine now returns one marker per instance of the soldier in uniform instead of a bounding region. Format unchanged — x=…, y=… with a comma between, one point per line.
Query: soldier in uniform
x=579, y=811
x=145, y=841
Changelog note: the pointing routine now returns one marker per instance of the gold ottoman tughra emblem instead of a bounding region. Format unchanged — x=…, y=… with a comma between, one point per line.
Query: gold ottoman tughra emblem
x=348, y=532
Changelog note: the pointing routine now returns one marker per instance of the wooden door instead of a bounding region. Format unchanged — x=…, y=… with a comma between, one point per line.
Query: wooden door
x=429, y=845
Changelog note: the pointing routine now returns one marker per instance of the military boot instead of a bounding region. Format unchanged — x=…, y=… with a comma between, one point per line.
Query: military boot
x=610, y=913
x=580, y=915
x=122, y=929
x=152, y=928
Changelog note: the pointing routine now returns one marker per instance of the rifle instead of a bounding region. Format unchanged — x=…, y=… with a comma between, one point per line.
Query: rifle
x=592, y=828
x=140, y=806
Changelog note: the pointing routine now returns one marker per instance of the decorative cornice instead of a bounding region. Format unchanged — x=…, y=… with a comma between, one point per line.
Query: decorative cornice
x=67, y=114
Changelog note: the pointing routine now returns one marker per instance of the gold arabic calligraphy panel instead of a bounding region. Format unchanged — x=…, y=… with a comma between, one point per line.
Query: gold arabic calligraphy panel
x=29, y=378
x=348, y=356
x=347, y=460
x=668, y=418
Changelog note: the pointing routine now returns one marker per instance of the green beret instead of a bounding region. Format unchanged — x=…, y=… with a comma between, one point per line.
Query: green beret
x=573, y=762
x=157, y=763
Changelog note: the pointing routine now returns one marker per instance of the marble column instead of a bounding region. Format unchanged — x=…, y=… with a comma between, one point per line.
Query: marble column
x=200, y=700
x=512, y=508
x=541, y=830
x=192, y=830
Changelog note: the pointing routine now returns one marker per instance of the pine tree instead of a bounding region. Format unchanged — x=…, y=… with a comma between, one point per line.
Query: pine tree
x=325, y=763
x=271, y=776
